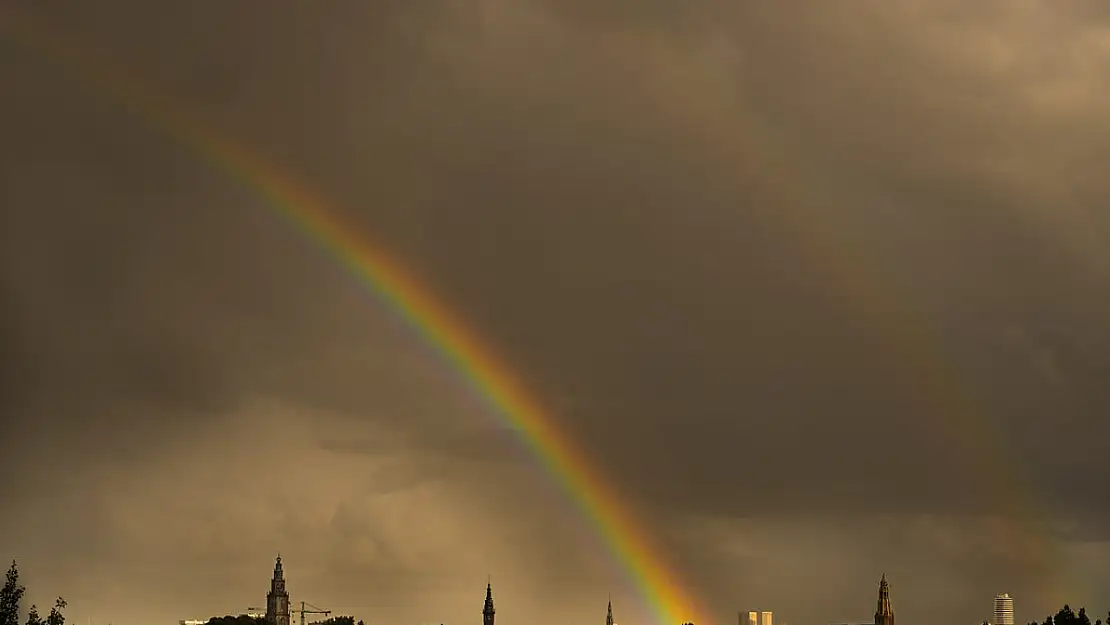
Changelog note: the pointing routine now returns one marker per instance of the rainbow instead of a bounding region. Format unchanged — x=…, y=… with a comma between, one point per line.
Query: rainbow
x=972, y=435
x=603, y=509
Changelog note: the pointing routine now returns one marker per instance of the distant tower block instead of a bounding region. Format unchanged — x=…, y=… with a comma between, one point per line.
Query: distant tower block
x=766, y=618
x=753, y=618
x=487, y=609
x=1003, y=610
x=277, y=600
x=884, y=614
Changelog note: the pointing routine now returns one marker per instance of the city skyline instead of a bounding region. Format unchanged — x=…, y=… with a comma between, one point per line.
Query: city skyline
x=711, y=306
x=278, y=609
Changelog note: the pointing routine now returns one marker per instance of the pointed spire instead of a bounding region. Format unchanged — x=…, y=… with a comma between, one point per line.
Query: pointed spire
x=884, y=613
x=609, y=614
x=487, y=609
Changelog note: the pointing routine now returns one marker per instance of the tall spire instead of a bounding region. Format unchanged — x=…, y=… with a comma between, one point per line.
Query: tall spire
x=609, y=615
x=277, y=600
x=487, y=609
x=884, y=613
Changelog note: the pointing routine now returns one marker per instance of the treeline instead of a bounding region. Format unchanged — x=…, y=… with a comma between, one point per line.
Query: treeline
x=338, y=620
x=243, y=619
x=11, y=600
x=1067, y=616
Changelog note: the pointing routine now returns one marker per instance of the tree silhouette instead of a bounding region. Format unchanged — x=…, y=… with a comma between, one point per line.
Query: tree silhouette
x=10, y=597
x=55, y=617
x=1065, y=616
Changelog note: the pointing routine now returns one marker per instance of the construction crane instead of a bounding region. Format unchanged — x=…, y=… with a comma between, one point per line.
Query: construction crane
x=313, y=610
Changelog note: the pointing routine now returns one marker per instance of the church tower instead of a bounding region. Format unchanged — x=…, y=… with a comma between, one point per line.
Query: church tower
x=609, y=616
x=277, y=600
x=884, y=614
x=487, y=609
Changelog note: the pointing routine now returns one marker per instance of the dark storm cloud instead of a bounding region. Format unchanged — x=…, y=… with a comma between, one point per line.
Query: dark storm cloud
x=762, y=262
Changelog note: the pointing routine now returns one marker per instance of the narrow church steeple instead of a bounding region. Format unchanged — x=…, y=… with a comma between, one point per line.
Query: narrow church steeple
x=884, y=613
x=487, y=609
x=277, y=600
x=609, y=615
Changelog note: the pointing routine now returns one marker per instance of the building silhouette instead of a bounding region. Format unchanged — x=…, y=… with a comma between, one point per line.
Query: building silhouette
x=1003, y=610
x=487, y=609
x=884, y=614
x=277, y=600
x=609, y=614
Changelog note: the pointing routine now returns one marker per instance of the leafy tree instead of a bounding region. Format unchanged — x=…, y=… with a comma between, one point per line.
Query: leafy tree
x=337, y=620
x=10, y=597
x=56, y=617
x=33, y=617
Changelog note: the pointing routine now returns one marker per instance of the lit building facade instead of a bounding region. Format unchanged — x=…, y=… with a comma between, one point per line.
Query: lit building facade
x=1003, y=610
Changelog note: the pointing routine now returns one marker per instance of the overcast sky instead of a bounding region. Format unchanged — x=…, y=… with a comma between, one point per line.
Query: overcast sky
x=820, y=288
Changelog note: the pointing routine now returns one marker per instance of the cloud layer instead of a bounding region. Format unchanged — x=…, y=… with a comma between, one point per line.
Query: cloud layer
x=819, y=289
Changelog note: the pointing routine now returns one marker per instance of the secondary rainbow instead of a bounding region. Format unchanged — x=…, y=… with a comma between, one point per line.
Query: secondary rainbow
x=970, y=432
x=656, y=583
x=806, y=217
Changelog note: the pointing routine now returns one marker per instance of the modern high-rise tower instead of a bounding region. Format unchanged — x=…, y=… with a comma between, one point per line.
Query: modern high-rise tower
x=884, y=614
x=487, y=609
x=277, y=600
x=1003, y=610
x=753, y=618
x=766, y=618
